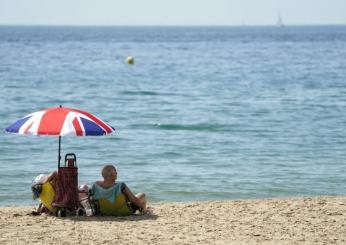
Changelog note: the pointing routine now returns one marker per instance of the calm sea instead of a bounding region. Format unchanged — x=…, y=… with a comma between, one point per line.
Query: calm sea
x=204, y=113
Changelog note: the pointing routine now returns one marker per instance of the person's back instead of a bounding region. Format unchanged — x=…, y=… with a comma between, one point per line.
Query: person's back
x=116, y=195
x=109, y=193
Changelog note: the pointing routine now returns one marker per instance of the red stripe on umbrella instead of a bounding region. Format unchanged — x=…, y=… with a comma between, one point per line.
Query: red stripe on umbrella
x=77, y=127
x=95, y=119
x=52, y=122
x=28, y=128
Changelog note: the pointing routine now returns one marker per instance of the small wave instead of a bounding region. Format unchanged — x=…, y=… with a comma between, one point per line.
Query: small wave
x=140, y=93
x=151, y=93
x=194, y=127
x=186, y=127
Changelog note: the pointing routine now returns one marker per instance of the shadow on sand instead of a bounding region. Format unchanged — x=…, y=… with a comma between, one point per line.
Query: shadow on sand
x=102, y=218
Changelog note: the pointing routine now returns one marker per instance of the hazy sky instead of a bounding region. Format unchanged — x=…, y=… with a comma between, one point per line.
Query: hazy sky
x=171, y=12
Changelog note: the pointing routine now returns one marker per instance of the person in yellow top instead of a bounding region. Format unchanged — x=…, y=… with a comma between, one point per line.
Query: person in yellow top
x=109, y=191
x=43, y=187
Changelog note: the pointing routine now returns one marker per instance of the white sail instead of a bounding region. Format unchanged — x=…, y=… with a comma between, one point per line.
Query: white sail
x=280, y=22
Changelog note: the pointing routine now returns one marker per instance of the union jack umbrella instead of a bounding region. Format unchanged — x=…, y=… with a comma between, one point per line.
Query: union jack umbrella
x=61, y=121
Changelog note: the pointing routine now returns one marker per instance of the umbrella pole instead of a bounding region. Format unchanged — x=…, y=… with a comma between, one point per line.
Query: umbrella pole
x=59, y=157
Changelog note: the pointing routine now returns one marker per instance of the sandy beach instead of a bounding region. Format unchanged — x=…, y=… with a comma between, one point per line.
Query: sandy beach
x=317, y=220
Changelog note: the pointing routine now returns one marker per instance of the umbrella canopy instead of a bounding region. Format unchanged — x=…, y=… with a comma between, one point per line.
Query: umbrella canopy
x=60, y=121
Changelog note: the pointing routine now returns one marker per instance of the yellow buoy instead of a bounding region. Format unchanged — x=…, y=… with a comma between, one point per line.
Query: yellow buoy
x=130, y=60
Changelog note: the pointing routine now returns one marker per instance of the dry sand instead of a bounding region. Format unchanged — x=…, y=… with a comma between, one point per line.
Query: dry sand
x=318, y=220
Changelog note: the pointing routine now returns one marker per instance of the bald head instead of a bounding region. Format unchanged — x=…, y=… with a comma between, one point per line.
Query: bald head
x=108, y=171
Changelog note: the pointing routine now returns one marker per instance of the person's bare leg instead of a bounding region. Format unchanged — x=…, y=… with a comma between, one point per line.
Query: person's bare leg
x=139, y=199
x=143, y=201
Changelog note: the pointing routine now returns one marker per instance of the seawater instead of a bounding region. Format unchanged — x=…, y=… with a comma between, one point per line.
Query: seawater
x=204, y=113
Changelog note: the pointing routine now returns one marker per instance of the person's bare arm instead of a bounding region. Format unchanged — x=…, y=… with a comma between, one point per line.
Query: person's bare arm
x=133, y=199
x=52, y=176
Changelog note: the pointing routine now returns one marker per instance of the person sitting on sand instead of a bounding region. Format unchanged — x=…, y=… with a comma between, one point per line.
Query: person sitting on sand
x=52, y=178
x=108, y=188
x=36, y=188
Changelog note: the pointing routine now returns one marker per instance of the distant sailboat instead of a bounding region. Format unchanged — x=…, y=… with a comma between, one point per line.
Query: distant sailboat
x=280, y=22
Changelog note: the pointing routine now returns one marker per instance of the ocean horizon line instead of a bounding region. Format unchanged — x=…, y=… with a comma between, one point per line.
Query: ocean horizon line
x=172, y=26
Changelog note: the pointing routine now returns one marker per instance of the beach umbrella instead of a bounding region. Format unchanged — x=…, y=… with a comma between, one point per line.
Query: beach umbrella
x=60, y=121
